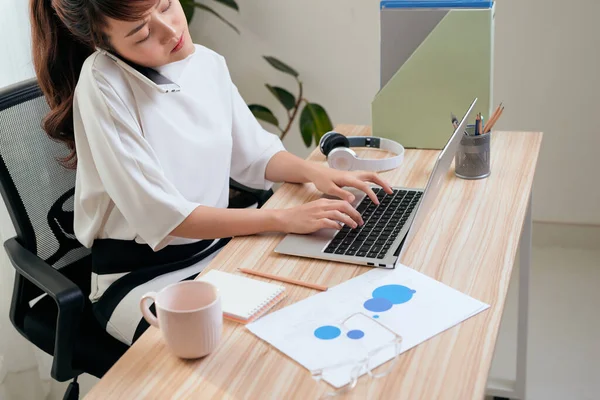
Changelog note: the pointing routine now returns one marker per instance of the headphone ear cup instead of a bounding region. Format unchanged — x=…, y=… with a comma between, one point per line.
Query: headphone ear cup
x=331, y=140
x=342, y=158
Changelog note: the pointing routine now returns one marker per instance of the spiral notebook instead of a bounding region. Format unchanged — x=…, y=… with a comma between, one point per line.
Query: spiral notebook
x=243, y=299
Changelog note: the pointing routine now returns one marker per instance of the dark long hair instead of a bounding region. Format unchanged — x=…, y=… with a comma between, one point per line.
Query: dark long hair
x=64, y=33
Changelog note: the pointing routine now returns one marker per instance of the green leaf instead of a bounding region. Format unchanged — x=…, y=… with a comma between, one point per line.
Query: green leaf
x=263, y=113
x=286, y=98
x=314, y=123
x=188, y=9
x=275, y=63
x=229, y=3
x=216, y=14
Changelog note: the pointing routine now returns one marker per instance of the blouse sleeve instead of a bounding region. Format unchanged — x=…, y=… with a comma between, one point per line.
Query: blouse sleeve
x=113, y=153
x=253, y=146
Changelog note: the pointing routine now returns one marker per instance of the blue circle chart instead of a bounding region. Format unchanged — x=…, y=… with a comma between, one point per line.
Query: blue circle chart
x=395, y=294
x=378, y=304
x=355, y=334
x=327, y=332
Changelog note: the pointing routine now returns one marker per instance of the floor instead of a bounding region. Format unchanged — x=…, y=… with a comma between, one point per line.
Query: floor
x=564, y=332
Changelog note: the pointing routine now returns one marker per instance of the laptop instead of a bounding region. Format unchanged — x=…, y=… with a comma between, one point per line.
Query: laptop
x=388, y=228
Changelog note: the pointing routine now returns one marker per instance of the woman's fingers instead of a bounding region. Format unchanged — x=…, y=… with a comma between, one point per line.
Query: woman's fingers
x=328, y=223
x=375, y=178
x=352, y=212
x=358, y=184
x=341, y=217
x=341, y=193
x=347, y=209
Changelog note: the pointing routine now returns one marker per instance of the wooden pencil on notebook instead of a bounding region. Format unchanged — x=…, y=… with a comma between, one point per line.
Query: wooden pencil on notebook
x=284, y=279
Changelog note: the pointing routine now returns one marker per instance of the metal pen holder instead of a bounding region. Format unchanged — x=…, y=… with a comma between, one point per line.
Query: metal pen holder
x=472, y=159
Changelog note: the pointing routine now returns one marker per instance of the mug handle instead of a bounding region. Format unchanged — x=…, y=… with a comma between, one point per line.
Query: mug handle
x=148, y=316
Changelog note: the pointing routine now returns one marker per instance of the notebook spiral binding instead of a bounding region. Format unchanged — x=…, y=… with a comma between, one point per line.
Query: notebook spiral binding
x=260, y=310
x=266, y=306
x=260, y=306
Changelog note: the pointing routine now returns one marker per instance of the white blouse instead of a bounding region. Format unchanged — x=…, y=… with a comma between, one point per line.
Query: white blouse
x=147, y=159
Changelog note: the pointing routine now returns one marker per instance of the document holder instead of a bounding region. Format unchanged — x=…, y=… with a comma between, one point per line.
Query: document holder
x=436, y=56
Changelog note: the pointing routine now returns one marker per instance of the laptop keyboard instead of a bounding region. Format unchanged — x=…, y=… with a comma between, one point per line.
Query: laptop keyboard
x=382, y=224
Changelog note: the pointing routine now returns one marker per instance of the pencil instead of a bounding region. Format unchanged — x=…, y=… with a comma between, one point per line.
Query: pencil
x=284, y=279
x=495, y=119
x=494, y=114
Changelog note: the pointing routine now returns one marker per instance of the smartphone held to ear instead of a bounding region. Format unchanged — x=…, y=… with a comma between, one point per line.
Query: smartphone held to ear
x=147, y=75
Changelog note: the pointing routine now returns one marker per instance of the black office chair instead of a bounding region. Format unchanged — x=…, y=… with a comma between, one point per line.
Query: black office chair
x=48, y=259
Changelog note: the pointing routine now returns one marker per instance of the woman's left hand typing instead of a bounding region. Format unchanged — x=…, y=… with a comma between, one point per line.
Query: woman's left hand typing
x=331, y=181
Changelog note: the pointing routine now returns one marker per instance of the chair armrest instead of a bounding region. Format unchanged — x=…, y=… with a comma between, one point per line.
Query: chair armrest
x=260, y=196
x=68, y=297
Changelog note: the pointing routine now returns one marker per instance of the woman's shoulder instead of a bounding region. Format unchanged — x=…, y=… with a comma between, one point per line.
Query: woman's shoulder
x=207, y=53
x=210, y=57
x=213, y=65
x=100, y=72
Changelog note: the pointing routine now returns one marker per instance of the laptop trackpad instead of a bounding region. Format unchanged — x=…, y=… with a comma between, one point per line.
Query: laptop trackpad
x=326, y=234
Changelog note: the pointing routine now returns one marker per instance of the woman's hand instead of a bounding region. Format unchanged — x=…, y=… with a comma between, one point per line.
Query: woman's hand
x=287, y=167
x=331, y=181
x=318, y=214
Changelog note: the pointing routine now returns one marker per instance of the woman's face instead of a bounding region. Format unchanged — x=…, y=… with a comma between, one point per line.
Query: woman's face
x=159, y=38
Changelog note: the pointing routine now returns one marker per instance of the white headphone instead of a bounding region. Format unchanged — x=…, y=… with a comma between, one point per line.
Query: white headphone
x=336, y=147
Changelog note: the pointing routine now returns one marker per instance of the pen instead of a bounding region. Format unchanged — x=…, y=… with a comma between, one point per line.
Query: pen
x=454, y=120
x=480, y=124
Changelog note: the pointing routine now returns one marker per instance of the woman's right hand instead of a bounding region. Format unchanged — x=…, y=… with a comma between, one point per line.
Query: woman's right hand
x=319, y=214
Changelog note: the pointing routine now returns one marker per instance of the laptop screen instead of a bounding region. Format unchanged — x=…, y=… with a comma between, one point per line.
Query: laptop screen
x=442, y=164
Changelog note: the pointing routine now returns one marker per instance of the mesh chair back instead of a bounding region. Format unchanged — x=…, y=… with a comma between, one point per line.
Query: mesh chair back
x=37, y=190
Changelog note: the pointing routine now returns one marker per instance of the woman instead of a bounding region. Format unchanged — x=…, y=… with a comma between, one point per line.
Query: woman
x=153, y=169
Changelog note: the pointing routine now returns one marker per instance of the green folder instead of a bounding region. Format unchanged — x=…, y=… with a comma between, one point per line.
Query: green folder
x=436, y=57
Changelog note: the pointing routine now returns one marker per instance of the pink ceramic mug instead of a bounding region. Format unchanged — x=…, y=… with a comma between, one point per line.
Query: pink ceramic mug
x=189, y=316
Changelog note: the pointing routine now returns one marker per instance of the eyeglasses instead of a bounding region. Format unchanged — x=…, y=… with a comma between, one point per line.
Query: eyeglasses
x=371, y=361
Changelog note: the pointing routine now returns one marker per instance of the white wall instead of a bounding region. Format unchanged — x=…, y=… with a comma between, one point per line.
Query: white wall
x=15, y=42
x=545, y=73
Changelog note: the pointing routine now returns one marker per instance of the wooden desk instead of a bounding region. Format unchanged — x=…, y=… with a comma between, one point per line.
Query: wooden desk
x=468, y=242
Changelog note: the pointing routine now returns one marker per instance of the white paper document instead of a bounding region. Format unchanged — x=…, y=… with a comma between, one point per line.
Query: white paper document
x=409, y=303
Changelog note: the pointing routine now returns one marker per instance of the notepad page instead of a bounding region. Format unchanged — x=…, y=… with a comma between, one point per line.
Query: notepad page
x=241, y=297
